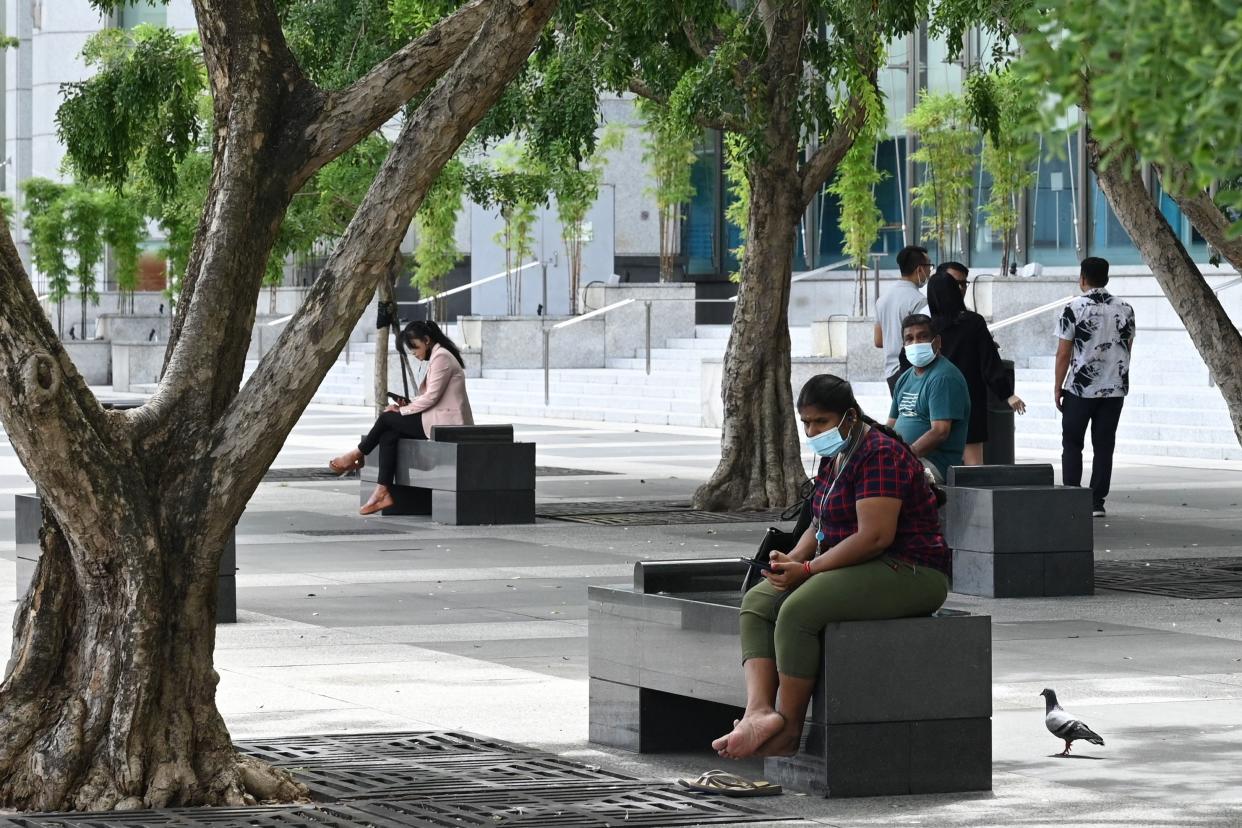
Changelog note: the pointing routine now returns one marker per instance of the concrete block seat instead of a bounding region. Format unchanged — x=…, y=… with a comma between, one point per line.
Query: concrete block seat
x=463, y=475
x=1016, y=535
x=901, y=706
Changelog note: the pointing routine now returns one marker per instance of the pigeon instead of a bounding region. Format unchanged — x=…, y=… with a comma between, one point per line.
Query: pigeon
x=1064, y=725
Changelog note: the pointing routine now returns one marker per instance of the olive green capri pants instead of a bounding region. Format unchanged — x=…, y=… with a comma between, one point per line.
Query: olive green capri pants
x=786, y=626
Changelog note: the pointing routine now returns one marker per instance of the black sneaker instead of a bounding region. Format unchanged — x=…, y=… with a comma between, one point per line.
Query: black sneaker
x=1098, y=511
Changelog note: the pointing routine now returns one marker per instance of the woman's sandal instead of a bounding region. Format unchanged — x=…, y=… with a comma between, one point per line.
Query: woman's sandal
x=374, y=506
x=343, y=469
x=729, y=784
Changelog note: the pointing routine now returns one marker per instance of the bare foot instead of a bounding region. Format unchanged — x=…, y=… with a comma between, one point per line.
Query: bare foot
x=785, y=743
x=749, y=734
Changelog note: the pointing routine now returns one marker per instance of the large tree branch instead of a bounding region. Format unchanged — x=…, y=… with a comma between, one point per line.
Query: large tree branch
x=75, y=452
x=1206, y=217
x=1212, y=331
x=248, y=437
x=351, y=114
x=724, y=122
x=823, y=162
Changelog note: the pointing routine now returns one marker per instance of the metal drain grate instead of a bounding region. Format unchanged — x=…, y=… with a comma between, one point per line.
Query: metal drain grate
x=301, y=751
x=1191, y=578
x=582, y=808
x=409, y=778
x=432, y=780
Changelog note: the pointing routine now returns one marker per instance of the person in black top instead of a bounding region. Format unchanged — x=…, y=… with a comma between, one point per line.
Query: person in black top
x=967, y=342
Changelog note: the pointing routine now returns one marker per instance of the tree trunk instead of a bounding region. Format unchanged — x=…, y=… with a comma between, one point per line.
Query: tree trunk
x=109, y=699
x=387, y=293
x=1214, y=334
x=759, y=465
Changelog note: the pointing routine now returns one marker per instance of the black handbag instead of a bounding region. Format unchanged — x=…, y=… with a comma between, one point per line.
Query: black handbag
x=775, y=540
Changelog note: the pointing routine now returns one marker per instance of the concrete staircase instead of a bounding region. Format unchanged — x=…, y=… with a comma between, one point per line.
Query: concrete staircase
x=1172, y=411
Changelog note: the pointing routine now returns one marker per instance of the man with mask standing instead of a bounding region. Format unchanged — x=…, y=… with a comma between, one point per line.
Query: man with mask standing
x=931, y=403
x=898, y=302
x=1092, y=377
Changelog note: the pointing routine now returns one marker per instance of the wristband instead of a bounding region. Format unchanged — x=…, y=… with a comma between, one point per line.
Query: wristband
x=806, y=567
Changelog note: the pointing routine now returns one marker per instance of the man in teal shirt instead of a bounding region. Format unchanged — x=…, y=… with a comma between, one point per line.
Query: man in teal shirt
x=931, y=403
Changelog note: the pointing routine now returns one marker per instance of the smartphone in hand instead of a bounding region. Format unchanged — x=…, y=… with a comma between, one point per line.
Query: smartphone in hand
x=762, y=566
x=398, y=399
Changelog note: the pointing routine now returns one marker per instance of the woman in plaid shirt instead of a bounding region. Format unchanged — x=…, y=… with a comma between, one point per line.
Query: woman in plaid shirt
x=873, y=550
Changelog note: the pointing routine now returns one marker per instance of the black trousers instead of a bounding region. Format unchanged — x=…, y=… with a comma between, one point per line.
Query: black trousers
x=390, y=427
x=1102, y=414
x=892, y=383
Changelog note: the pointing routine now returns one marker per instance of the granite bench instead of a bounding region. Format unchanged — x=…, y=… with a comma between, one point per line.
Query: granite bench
x=665, y=674
x=463, y=475
x=1016, y=535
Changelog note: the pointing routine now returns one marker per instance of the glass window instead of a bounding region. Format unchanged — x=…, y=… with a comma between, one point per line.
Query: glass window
x=1108, y=238
x=1195, y=244
x=140, y=11
x=986, y=245
x=890, y=197
x=893, y=80
x=938, y=73
x=1054, y=201
x=704, y=212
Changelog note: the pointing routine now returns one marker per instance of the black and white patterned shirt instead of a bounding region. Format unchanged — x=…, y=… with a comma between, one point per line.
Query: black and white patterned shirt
x=1101, y=326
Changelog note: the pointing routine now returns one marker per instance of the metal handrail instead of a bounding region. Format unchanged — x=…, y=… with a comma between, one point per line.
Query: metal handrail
x=1033, y=312
x=1230, y=284
x=472, y=285
x=547, y=339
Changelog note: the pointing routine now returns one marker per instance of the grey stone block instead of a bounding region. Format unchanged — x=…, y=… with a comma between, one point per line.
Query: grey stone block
x=982, y=477
x=889, y=758
x=949, y=755
x=865, y=759
x=692, y=575
x=482, y=508
x=1024, y=575
x=648, y=721
x=952, y=656
x=226, y=600
x=1019, y=519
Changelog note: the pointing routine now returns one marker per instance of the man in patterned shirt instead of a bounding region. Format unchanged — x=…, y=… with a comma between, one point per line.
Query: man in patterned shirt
x=1096, y=333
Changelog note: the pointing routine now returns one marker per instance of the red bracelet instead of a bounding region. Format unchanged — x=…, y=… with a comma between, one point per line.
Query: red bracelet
x=806, y=567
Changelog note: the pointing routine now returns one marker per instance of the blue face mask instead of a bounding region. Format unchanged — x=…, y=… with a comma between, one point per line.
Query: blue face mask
x=828, y=443
x=920, y=354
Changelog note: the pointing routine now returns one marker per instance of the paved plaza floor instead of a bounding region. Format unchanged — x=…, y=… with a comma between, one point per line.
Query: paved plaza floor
x=350, y=624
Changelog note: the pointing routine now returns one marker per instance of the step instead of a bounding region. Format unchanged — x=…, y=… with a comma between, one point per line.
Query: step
x=487, y=385
x=1198, y=451
x=563, y=400
x=598, y=414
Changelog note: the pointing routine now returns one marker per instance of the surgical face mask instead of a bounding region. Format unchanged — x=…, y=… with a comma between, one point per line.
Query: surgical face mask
x=828, y=443
x=920, y=354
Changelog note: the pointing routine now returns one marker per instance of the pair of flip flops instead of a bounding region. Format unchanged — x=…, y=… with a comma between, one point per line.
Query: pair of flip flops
x=729, y=784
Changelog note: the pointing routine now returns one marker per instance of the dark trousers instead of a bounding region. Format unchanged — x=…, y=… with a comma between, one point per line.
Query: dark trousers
x=892, y=384
x=1103, y=414
x=390, y=427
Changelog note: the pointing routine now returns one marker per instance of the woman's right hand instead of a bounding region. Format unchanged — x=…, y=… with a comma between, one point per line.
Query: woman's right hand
x=390, y=407
x=1017, y=404
x=788, y=572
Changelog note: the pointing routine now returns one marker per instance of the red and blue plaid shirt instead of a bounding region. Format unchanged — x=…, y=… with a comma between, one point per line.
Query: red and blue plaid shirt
x=883, y=467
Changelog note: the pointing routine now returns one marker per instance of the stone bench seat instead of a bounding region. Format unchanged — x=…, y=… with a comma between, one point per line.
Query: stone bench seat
x=1014, y=534
x=463, y=475
x=901, y=706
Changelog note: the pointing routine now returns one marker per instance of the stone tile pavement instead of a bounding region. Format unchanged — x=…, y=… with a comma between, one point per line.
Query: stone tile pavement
x=483, y=629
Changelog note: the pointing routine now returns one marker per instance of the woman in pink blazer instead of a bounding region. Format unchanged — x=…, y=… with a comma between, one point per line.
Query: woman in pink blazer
x=441, y=400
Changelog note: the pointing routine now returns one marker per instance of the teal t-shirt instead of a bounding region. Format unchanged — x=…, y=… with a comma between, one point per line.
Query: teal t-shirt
x=940, y=393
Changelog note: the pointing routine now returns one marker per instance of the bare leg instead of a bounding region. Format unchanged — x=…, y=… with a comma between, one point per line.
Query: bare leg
x=761, y=721
x=973, y=454
x=794, y=697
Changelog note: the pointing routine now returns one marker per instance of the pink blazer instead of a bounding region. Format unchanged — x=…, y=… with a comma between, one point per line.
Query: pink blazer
x=442, y=396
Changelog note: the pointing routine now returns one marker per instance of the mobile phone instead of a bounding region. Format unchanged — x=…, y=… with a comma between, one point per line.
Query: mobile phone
x=762, y=566
x=398, y=399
